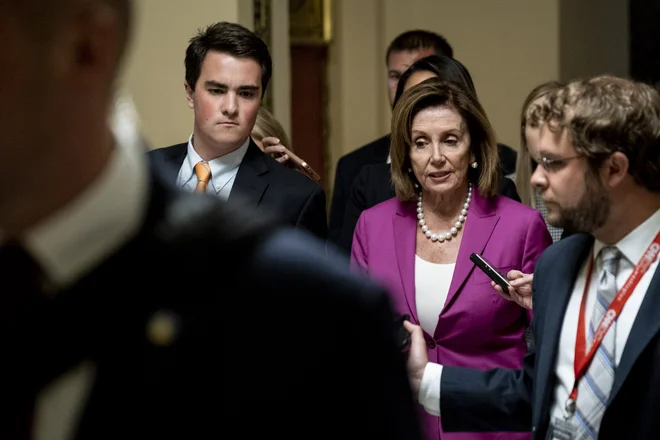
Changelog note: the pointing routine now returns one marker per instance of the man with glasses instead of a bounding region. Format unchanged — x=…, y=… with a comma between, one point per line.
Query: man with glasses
x=596, y=295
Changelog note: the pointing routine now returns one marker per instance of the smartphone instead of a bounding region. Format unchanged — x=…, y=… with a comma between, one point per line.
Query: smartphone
x=492, y=273
x=304, y=166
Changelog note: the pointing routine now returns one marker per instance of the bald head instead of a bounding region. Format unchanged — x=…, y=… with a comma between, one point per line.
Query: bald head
x=43, y=17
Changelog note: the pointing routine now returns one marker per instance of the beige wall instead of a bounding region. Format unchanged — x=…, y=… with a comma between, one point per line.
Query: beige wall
x=281, y=53
x=508, y=47
x=154, y=72
x=354, y=74
x=594, y=38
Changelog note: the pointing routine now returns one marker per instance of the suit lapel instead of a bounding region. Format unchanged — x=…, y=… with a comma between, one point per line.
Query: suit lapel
x=479, y=225
x=382, y=149
x=385, y=187
x=644, y=329
x=251, y=180
x=169, y=161
x=557, y=292
x=405, y=228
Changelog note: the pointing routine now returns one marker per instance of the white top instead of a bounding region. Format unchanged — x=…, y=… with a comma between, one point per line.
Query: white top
x=223, y=170
x=431, y=289
x=632, y=247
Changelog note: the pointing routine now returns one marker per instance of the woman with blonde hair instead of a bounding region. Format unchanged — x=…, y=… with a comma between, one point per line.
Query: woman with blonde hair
x=267, y=126
x=525, y=165
x=270, y=136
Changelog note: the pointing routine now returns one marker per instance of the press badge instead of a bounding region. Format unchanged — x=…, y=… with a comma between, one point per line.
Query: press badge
x=561, y=429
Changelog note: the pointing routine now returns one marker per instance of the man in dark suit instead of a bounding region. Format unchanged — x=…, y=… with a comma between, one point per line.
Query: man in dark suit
x=373, y=185
x=129, y=308
x=227, y=71
x=596, y=294
x=404, y=50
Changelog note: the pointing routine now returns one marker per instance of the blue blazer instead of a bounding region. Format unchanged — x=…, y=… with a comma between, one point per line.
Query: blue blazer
x=517, y=400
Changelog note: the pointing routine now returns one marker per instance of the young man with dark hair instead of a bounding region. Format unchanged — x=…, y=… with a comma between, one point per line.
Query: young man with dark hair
x=408, y=47
x=228, y=68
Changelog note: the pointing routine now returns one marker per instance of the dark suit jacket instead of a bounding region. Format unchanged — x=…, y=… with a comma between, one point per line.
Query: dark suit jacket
x=260, y=317
x=508, y=157
x=517, y=400
x=373, y=185
x=264, y=183
x=350, y=165
x=348, y=168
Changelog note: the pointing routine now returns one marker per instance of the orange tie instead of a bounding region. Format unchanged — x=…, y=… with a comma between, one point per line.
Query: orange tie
x=203, y=171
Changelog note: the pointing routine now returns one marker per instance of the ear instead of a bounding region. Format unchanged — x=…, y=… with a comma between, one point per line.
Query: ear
x=616, y=169
x=94, y=35
x=190, y=96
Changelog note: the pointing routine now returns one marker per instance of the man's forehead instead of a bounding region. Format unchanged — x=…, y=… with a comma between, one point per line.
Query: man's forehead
x=225, y=68
x=402, y=59
x=555, y=139
x=224, y=58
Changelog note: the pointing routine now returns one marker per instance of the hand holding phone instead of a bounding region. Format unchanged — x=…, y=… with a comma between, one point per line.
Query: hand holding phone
x=521, y=288
x=282, y=154
x=491, y=272
x=303, y=166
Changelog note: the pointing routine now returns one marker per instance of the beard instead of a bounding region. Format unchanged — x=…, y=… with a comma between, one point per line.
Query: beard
x=591, y=211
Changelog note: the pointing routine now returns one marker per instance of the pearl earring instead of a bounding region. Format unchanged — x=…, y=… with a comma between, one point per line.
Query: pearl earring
x=474, y=164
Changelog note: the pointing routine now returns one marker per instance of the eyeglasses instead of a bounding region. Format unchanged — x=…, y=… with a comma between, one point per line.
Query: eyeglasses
x=550, y=165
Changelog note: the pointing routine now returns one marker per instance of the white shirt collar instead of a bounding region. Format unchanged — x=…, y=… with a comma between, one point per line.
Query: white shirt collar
x=223, y=168
x=633, y=245
x=95, y=224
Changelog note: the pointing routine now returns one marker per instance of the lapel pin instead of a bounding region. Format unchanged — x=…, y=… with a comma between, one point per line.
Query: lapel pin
x=163, y=328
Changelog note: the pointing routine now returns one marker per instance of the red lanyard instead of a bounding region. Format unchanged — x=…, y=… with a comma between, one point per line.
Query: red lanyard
x=583, y=360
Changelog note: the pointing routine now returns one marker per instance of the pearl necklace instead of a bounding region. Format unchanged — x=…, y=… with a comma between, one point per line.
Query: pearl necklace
x=454, y=230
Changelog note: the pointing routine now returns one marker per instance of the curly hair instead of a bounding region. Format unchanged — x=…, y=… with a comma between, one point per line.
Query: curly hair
x=606, y=114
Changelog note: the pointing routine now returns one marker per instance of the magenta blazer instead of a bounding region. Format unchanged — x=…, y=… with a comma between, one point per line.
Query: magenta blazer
x=476, y=328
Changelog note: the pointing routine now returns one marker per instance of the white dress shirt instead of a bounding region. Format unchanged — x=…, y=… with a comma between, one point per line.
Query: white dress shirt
x=632, y=247
x=71, y=243
x=223, y=170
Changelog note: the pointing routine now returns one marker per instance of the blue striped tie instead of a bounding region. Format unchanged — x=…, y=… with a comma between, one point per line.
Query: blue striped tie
x=594, y=388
